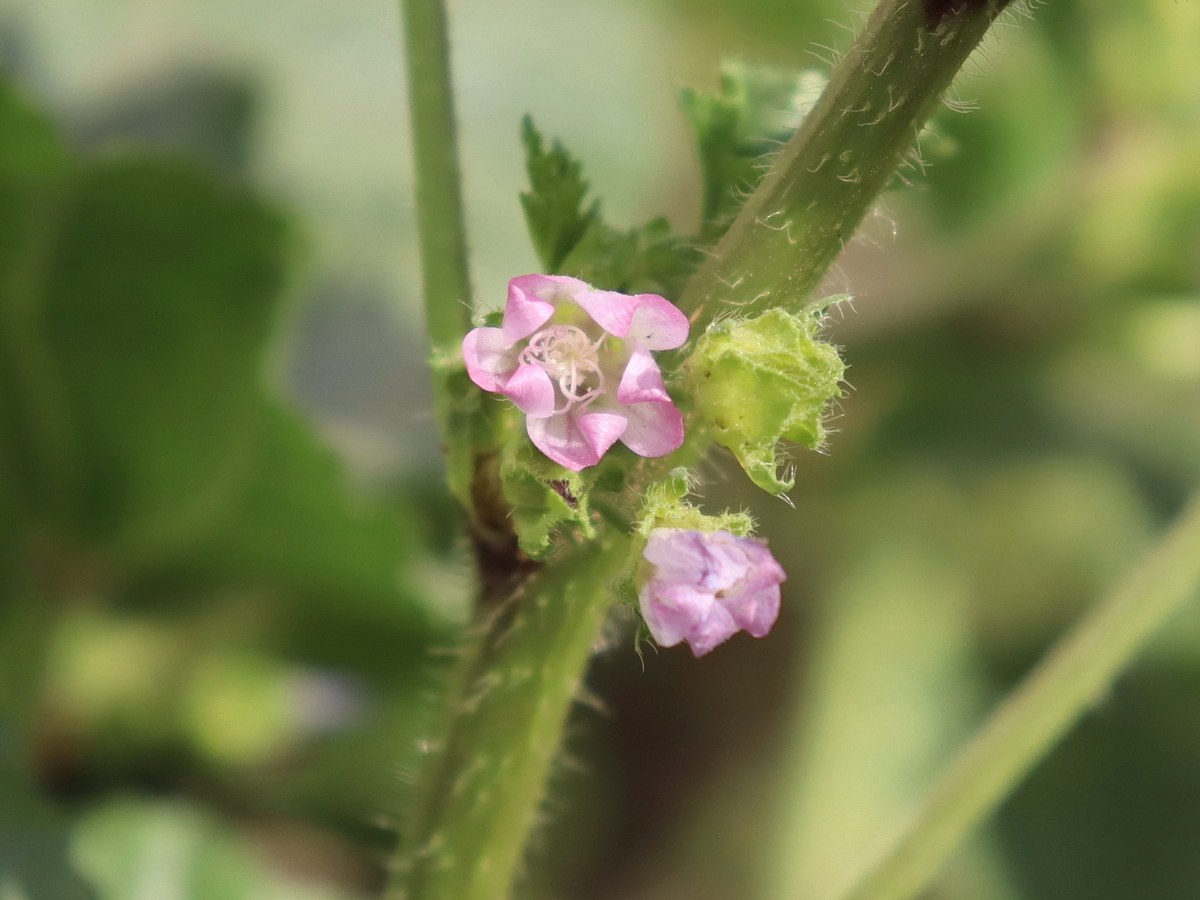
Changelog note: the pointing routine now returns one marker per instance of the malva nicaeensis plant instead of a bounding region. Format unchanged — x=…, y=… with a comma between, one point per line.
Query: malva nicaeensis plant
x=575, y=480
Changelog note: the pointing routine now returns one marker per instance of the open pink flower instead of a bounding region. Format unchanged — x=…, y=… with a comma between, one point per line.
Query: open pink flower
x=706, y=586
x=577, y=362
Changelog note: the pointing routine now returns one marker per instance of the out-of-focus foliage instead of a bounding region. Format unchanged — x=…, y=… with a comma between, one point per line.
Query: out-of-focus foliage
x=211, y=593
x=227, y=623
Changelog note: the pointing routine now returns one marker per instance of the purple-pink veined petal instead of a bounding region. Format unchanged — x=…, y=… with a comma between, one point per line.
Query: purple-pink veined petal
x=551, y=288
x=611, y=311
x=658, y=323
x=715, y=628
x=532, y=391
x=575, y=441
x=762, y=569
x=655, y=429
x=755, y=611
x=694, y=558
x=490, y=359
x=672, y=610
x=603, y=429
x=528, y=307
x=642, y=381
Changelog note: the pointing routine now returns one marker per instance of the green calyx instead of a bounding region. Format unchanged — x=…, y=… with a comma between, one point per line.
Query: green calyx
x=666, y=505
x=543, y=497
x=762, y=380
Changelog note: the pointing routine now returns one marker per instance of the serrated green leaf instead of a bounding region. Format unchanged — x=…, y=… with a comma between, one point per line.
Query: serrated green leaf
x=553, y=206
x=648, y=260
x=572, y=238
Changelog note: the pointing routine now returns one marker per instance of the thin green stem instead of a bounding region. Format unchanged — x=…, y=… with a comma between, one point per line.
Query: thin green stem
x=824, y=180
x=1077, y=672
x=444, y=265
x=439, y=192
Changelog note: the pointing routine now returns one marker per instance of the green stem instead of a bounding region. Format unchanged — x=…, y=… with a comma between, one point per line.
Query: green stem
x=444, y=266
x=439, y=192
x=1076, y=673
x=822, y=184
x=482, y=790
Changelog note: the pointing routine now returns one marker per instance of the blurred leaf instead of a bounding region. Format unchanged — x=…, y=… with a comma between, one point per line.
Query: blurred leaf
x=142, y=850
x=159, y=298
x=33, y=162
x=34, y=862
x=1002, y=138
x=297, y=524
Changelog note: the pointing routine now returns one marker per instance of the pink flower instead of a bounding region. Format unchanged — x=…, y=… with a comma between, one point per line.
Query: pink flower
x=577, y=362
x=706, y=586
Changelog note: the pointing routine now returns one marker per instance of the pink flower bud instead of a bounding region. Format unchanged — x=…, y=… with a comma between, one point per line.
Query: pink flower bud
x=706, y=586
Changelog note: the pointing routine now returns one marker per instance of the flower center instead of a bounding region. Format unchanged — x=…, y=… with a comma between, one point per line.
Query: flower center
x=571, y=359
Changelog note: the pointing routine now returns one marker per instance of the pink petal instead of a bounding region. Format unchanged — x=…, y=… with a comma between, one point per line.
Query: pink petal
x=655, y=429
x=551, y=288
x=671, y=611
x=642, y=381
x=694, y=558
x=611, y=311
x=658, y=323
x=490, y=359
x=602, y=430
x=528, y=307
x=531, y=389
x=715, y=628
x=575, y=441
x=762, y=569
x=756, y=612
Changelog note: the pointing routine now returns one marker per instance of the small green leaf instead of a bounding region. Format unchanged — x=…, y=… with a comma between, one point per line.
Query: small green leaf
x=554, y=204
x=646, y=260
x=762, y=380
x=571, y=238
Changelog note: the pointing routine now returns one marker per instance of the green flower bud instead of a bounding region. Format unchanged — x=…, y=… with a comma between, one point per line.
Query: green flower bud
x=761, y=380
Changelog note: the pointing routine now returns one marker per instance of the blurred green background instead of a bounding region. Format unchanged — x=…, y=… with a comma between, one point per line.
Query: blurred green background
x=229, y=573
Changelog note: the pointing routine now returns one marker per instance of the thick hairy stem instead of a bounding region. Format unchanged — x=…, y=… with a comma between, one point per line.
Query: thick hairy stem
x=482, y=789
x=1075, y=674
x=824, y=180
